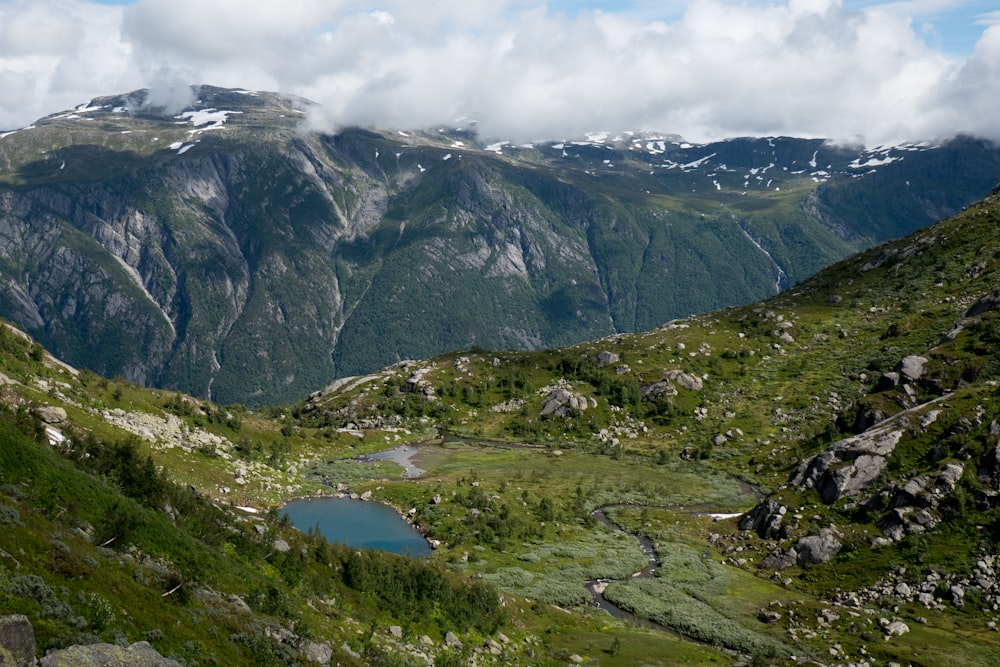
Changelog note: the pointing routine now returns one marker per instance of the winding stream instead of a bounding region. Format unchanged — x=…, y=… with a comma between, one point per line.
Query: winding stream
x=597, y=586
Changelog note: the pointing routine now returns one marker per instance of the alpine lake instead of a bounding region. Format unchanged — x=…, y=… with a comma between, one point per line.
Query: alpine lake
x=363, y=523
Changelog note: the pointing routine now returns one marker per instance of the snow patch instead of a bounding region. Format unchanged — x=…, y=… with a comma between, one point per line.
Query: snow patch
x=206, y=119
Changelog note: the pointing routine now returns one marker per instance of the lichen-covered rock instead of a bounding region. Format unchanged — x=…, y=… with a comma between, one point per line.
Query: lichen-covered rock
x=140, y=654
x=17, y=640
x=311, y=651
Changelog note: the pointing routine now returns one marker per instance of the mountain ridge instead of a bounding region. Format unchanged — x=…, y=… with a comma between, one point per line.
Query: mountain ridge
x=237, y=241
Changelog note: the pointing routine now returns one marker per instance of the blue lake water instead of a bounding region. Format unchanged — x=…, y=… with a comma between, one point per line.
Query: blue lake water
x=358, y=523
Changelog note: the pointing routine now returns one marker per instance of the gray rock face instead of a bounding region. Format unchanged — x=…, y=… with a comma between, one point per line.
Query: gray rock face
x=851, y=479
x=815, y=549
x=854, y=464
x=140, y=654
x=17, y=641
x=765, y=519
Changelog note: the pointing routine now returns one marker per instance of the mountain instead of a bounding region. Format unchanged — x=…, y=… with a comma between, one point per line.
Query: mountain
x=227, y=251
x=811, y=479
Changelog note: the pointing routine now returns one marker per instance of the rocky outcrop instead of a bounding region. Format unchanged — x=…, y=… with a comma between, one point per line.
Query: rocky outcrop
x=655, y=391
x=140, y=654
x=561, y=401
x=985, y=304
x=17, y=641
x=765, y=519
x=684, y=380
x=855, y=464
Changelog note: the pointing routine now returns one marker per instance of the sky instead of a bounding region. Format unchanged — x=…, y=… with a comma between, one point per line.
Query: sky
x=869, y=71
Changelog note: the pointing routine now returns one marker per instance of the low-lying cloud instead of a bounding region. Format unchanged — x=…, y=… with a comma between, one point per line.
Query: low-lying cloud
x=521, y=70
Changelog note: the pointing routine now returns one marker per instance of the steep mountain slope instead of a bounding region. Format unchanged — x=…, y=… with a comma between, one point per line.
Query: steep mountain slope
x=228, y=252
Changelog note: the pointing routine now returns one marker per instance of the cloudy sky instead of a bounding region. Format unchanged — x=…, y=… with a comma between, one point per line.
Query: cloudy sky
x=866, y=70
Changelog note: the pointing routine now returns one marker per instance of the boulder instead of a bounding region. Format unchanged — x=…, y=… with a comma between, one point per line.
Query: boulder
x=912, y=367
x=850, y=479
x=894, y=524
x=948, y=478
x=684, y=380
x=815, y=549
x=887, y=381
x=657, y=390
x=606, y=358
x=779, y=559
x=896, y=628
x=563, y=403
x=451, y=640
x=17, y=640
x=51, y=414
x=316, y=652
x=140, y=654
x=764, y=519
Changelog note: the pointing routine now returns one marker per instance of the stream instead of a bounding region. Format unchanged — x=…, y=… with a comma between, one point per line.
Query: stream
x=597, y=586
x=402, y=456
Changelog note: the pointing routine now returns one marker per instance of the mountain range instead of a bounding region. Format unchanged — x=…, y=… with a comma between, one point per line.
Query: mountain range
x=228, y=251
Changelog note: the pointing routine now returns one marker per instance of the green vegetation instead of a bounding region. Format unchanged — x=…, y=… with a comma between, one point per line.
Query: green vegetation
x=256, y=262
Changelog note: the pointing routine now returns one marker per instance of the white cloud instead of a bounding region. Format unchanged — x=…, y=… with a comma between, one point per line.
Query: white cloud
x=714, y=69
